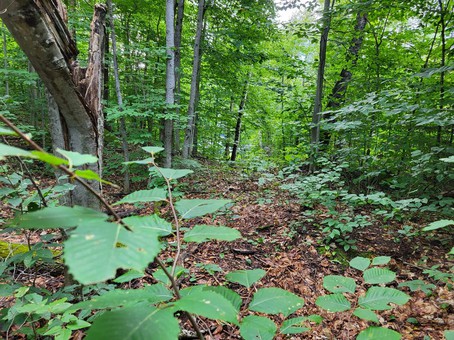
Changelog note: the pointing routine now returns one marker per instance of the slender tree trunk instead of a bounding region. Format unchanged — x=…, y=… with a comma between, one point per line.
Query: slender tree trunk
x=5, y=62
x=123, y=132
x=178, y=35
x=315, y=129
x=340, y=88
x=236, y=141
x=189, y=133
x=170, y=80
x=76, y=91
x=442, y=64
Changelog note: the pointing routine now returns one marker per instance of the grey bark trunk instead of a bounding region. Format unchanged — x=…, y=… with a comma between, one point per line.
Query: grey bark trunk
x=190, y=128
x=5, y=62
x=123, y=132
x=178, y=35
x=41, y=32
x=170, y=81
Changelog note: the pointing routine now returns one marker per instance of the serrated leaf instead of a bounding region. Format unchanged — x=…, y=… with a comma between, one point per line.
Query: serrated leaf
x=172, y=173
x=378, y=298
x=123, y=297
x=115, y=248
x=415, y=285
x=77, y=159
x=333, y=302
x=208, y=304
x=7, y=150
x=378, y=333
x=154, y=195
x=229, y=294
x=257, y=328
x=366, y=314
x=294, y=326
x=245, y=277
x=360, y=263
x=49, y=158
x=203, y=233
x=137, y=322
x=198, y=207
x=58, y=217
x=152, y=149
x=275, y=301
x=92, y=176
x=152, y=222
x=438, y=224
x=380, y=260
x=378, y=275
x=339, y=284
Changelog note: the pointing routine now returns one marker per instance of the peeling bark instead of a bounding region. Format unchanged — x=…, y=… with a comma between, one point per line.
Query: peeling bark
x=38, y=26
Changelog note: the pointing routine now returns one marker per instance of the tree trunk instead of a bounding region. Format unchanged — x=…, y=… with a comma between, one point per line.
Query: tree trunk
x=5, y=62
x=39, y=28
x=189, y=133
x=315, y=129
x=340, y=88
x=170, y=81
x=236, y=141
x=178, y=35
x=442, y=64
x=123, y=132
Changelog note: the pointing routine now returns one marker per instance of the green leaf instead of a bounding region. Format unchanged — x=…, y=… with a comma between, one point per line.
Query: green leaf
x=333, y=302
x=135, y=323
x=124, y=297
x=360, y=263
x=380, y=260
x=49, y=158
x=229, y=294
x=6, y=150
x=90, y=175
x=438, y=224
x=378, y=333
x=141, y=161
x=161, y=276
x=172, y=173
x=58, y=217
x=257, y=328
x=77, y=159
x=378, y=275
x=378, y=298
x=154, y=195
x=129, y=276
x=208, y=304
x=6, y=132
x=152, y=149
x=339, y=284
x=152, y=222
x=415, y=285
x=199, y=207
x=95, y=251
x=449, y=335
x=203, y=233
x=449, y=159
x=275, y=301
x=245, y=277
x=366, y=314
x=293, y=326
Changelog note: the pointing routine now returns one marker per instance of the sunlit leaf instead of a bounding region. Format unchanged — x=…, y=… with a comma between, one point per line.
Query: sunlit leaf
x=438, y=224
x=77, y=159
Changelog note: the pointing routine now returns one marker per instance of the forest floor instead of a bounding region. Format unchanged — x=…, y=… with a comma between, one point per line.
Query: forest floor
x=279, y=238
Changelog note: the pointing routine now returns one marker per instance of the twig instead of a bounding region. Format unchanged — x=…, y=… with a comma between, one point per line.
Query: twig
x=118, y=218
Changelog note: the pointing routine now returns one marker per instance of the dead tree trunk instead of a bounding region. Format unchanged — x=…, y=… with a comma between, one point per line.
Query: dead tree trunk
x=236, y=141
x=39, y=28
